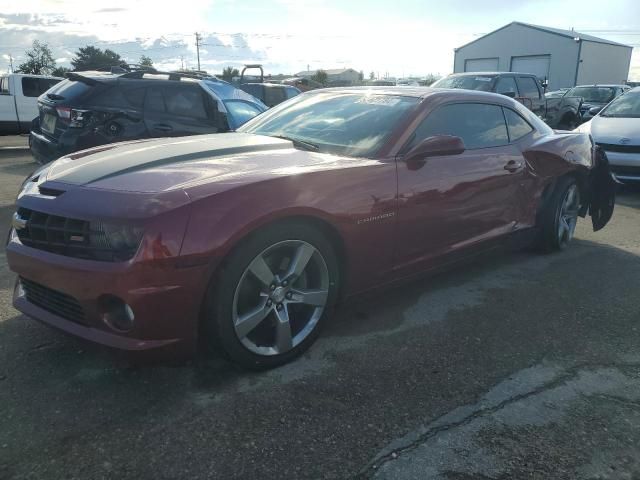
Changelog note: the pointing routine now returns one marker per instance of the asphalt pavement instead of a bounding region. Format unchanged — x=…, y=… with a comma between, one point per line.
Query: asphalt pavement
x=515, y=366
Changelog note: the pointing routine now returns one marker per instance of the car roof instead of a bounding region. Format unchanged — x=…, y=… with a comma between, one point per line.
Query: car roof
x=30, y=75
x=470, y=74
x=607, y=85
x=420, y=92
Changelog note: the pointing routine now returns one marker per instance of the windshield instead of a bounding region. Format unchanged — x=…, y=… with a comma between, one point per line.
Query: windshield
x=627, y=105
x=467, y=82
x=593, y=94
x=345, y=124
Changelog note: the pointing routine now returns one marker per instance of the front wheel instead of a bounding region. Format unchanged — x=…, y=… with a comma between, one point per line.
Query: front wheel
x=560, y=217
x=273, y=294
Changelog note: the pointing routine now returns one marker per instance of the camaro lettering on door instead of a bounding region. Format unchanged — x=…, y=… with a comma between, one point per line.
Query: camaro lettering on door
x=376, y=218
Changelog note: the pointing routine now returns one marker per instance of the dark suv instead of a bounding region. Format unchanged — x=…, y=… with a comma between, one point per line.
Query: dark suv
x=95, y=108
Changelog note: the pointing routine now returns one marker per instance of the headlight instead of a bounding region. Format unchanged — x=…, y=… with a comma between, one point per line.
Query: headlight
x=120, y=239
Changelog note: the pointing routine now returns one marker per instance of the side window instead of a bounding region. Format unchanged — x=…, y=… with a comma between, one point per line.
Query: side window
x=185, y=101
x=274, y=95
x=479, y=125
x=255, y=90
x=291, y=92
x=111, y=98
x=30, y=87
x=122, y=96
x=506, y=85
x=154, y=102
x=528, y=87
x=134, y=96
x=4, y=86
x=46, y=84
x=518, y=126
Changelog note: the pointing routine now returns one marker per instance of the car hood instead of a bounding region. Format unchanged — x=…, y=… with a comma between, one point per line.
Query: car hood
x=223, y=160
x=612, y=130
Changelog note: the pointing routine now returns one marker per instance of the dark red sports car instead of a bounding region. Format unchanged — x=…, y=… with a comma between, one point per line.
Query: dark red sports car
x=247, y=240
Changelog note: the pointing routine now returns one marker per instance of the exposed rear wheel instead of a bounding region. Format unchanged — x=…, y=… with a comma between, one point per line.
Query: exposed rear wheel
x=273, y=294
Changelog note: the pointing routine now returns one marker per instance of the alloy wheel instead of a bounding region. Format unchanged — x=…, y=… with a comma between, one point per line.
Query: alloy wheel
x=568, y=215
x=280, y=297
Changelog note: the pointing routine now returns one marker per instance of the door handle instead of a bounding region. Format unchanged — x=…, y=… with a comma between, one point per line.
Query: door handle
x=162, y=127
x=512, y=166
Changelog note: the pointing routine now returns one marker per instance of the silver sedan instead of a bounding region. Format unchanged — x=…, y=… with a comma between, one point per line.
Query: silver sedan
x=617, y=130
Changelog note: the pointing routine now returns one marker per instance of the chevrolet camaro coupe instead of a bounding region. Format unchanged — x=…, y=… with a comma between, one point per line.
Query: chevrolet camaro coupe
x=245, y=241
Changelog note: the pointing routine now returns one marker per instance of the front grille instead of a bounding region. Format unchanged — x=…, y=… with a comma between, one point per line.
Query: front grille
x=53, y=301
x=68, y=236
x=612, y=147
x=624, y=170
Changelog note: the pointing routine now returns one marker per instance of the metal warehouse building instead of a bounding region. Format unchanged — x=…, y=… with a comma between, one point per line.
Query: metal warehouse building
x=564, y=57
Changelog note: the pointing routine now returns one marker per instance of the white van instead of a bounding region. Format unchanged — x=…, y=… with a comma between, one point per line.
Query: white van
x=19, y=100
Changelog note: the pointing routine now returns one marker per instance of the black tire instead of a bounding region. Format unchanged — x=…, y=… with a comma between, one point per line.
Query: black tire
x=219, y=329
x=549, y=219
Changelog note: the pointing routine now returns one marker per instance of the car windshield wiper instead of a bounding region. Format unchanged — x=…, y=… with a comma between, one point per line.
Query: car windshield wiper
x=312, y=147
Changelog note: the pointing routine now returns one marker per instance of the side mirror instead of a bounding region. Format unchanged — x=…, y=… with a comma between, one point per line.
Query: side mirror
x=595, y=110
x=436, y=146
x=509, y=94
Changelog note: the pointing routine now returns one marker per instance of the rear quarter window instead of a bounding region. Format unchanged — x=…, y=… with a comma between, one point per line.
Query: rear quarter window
x=71, y=89
x=119, y=97
x=518, y=127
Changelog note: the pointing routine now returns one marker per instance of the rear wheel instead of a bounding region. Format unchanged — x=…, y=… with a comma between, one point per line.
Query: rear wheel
x=273, y=295
x=560, y=217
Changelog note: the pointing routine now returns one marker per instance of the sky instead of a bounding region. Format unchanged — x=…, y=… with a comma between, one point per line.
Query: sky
x=398, y=38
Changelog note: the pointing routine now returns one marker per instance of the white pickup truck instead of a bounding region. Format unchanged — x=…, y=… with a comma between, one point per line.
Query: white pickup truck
x=19, y=100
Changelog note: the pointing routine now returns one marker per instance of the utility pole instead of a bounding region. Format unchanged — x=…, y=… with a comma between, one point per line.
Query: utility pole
x=198, y=39
x=182, y=62
x=10, y=63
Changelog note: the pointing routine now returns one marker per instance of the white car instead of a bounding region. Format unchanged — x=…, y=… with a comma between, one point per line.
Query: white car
x=19, y=100
x=617, y=130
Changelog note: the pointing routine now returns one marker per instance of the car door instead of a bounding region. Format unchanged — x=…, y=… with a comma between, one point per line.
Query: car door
x=531, y=95
x=176, y=109
x=448, y=203
x=8, y=119
x=506, y=85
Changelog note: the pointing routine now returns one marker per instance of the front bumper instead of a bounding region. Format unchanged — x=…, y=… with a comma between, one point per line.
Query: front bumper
x=625, y=166
x=166, y=299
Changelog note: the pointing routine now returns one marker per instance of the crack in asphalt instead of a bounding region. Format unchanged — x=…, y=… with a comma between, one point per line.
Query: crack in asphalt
x=570, y=373
x=623, y=401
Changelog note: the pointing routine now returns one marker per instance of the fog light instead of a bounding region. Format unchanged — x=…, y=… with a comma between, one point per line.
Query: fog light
x=116, y=313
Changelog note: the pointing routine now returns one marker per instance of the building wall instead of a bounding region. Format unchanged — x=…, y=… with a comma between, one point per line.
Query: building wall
x=518, y=40
x=602, y=63
x=347, y=76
